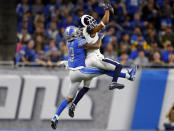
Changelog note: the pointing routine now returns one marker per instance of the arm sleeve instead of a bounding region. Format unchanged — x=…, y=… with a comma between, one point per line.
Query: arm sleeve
x=82, y=42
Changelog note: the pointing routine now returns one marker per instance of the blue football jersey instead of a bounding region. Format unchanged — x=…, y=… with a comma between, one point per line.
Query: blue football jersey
x=76, y=58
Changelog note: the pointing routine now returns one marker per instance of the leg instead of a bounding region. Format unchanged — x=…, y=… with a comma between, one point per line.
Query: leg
x=71, y=94
x=76, y=78
x=117, y=70
x=130, y=75
x=79, y=96
x=107, y=64
x=83, y=91
x=61, y=107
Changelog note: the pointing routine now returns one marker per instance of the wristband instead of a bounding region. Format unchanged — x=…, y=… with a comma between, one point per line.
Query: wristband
x=102, y=24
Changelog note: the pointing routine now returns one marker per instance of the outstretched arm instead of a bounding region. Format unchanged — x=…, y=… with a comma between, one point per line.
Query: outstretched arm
x=103, y=22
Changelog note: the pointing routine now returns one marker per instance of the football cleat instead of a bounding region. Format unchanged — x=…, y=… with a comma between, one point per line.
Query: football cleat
x=71, y=110
x=54, y=122
x=132, y=73
x=115, y=85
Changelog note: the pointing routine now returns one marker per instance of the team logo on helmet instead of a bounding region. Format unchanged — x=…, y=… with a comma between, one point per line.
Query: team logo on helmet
x=87, y=20
x=71, y=33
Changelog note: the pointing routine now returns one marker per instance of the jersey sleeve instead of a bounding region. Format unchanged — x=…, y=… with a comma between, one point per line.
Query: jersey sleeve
x=82, y=42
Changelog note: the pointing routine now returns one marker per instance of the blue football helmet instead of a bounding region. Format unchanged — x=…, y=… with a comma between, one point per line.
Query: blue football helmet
x=72, y=33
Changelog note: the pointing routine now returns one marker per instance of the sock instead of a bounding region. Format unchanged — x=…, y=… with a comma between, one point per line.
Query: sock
x=80, y=94
x=122, y=75
x=62, y=107
x=117, y=73
x=127, y=76
x=111, y=73
x=117, y=70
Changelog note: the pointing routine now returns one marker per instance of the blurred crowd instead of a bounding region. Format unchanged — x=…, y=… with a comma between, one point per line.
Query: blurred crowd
x=140, y=31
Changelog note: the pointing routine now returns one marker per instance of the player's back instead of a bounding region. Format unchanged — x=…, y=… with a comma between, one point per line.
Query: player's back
x=76, y=54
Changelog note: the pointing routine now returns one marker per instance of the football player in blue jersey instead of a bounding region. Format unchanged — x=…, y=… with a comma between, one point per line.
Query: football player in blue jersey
x=78, y=70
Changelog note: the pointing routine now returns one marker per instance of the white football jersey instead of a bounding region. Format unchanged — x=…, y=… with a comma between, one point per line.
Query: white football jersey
x=92, y=40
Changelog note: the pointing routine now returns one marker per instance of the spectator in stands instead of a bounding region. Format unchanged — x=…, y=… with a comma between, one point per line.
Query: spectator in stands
x=40, y=59
x=136, y=33
x=132, y=6
x=154, y=48
x=142, y=42
x=50, y=8
x=125, y=44
x=168, y=36
x=40, y=31
x=39, y=18
x=151, y=35
x=171, y=59
x=50, y=46
x=52, y=31
x=22, y=8
x=124, y=49
x=25, y=24
x=54, y=58
x=27, y=54
x=124, y=59
x=37, y=7
x=141, y=60
x=109, y=52
x=66, y=4
x=23, y=33
x=120, y=8
x=68, y=22
x=21, y=43
x=137, y=22
x=156, y=59
x=170, y=116
x=166, y=53
x=39, y=43
x=109, y=37
x=126, y=39
x=64, y=51
x=149, y=11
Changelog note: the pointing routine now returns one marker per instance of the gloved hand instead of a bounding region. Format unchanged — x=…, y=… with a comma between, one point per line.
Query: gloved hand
x=106, y=4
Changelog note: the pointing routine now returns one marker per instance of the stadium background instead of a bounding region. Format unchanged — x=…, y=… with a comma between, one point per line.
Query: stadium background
x=140, y=31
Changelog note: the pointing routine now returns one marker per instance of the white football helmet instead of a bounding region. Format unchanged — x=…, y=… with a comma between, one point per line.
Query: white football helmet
x=88, y=21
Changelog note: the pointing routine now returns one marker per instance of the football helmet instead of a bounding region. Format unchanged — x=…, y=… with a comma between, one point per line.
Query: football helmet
x=72, y=32
x=88, y=21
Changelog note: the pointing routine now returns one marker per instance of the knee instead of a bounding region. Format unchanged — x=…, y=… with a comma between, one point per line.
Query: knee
x=119, y=66
x=69, y=99
x=86, y=89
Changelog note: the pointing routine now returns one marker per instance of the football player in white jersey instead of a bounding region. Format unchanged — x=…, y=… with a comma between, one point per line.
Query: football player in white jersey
x=94, y=58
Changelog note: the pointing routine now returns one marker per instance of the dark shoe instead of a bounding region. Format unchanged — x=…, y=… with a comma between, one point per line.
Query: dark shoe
x=115, y=85
x=54, y=122
x=71, y=110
